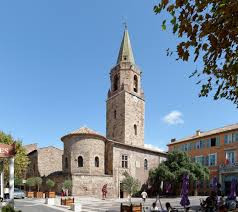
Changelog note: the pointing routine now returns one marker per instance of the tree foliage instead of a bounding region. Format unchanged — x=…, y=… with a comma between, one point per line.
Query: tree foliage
x=208, y=30
x=129, y=184
x=173, y=169
x=21, y=160
x=50, y=184
x=67, y=184
x=38, y=182
x=30, y=182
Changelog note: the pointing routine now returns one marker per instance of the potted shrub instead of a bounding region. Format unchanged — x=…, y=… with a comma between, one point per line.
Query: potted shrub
x=130, y=185
x=50, y=184
x=67, y=185
x=30, y=182
x=38, y=182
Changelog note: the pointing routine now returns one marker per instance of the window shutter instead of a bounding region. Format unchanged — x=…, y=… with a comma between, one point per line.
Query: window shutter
x=209, y=143
x=226, y=139
x=206, y=160
x=203, y=161
x=218, y=141
x=236, y=136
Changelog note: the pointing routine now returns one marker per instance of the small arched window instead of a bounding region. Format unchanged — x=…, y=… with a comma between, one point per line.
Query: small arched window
x=115, y=82
x=80, y=161
x=66, y=162
x=145, y=164
x=115, y=114
x=135, y=84
x=96, y=161
x=135, y=129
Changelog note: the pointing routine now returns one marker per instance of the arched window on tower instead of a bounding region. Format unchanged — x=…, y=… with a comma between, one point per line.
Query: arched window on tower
x=80, y=161
x=135, y=129
x=115, y=82
x=115, y=114
x=145, y=164
x=135, y=84
x=66, y=162
x=96, y=161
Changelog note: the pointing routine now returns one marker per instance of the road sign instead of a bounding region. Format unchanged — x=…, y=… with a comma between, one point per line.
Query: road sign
x=6, y=150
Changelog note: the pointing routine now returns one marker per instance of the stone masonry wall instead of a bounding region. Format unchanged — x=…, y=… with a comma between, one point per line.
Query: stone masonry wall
x=91, y=185
x=134, y=115
x=49, y=160
x=115, y=126
x=88, y=147
x=135, y=163
x=32, y=169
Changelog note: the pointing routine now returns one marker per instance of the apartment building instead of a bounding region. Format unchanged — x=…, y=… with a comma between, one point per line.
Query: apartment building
x=217, y=149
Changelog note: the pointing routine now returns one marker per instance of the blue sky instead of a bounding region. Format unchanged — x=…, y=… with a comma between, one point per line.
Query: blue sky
x=55, y=58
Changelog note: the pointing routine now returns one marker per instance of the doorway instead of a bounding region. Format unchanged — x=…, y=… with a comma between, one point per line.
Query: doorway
x=121, y=192
x=227, y=187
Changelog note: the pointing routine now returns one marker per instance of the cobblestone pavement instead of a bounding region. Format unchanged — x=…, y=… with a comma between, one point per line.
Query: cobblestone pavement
x=113, y=205
x=93, y=204
x=29, y=205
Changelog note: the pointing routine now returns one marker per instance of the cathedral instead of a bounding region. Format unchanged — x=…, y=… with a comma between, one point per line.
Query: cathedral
x=92, y=160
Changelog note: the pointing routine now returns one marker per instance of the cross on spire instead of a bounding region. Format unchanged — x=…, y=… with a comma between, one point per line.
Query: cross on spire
x=125, y=53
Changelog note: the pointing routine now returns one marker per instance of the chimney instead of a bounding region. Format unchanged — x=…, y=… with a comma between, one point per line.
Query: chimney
x=173, y=140
x=198, y=132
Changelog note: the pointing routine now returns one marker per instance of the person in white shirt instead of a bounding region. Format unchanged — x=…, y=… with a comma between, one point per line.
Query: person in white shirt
x=144, y=196
x=154, y=207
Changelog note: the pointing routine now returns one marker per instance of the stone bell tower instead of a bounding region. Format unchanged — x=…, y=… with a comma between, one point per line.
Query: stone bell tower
x=125, y=102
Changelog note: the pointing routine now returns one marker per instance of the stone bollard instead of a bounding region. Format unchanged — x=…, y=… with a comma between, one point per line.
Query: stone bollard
x=50, y=201
x=57, y=201
x=77, y=207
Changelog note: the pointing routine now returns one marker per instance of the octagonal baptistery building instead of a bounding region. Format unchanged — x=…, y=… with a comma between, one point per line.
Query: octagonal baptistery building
x=84, y=161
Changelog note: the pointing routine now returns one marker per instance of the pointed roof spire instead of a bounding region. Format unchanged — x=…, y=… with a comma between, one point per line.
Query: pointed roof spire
x=125, y=53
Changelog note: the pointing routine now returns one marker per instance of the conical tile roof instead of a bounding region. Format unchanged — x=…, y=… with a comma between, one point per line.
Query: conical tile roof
x=126, y=53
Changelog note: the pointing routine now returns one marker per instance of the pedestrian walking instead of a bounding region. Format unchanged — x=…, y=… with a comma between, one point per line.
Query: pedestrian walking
x=144, y=196
x=104, y=191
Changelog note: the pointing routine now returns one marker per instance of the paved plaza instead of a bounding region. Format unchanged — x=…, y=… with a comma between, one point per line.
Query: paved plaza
x=94, y=204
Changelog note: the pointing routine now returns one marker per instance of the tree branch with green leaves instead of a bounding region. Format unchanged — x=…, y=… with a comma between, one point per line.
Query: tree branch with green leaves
x=208, y=30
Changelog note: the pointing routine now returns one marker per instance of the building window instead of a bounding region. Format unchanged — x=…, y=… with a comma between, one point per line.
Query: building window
x=199, y=159
x=228, y=139
x=135, y=129
x=66, y=163
x=185, y=147
x=115, y=114
x=145, y=164
x=135, y=84
x=213, y=141
x=198, y=145
x=124, y=161
x=80, y=161
x=235, y=137
x=230, y=157
x=96, y=161
x=115, y=82
x=212, y=159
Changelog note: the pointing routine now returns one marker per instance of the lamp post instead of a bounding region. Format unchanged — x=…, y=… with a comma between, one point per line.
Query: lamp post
x=11, y=181
x=2, y=180
x=8, y=151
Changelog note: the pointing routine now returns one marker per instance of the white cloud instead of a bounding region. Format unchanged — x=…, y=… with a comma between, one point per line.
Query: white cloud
x=150, y=146
x=174, y=117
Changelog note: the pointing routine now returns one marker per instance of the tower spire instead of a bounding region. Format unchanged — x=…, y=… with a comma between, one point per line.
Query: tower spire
x=125, y=53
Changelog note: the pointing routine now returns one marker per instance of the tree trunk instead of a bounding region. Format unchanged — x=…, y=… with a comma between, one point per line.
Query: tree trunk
x=195, y=191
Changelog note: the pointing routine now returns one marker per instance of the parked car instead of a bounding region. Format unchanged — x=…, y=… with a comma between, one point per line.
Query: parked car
x=19, y=194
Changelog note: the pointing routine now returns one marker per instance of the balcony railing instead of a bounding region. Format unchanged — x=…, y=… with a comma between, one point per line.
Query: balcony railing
x=229, y=166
